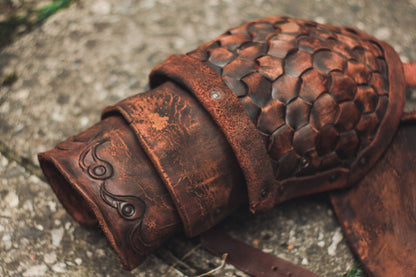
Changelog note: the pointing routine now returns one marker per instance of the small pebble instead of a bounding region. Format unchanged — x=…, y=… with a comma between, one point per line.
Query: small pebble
x=336, y=239
x=58, y=117
x=12, y=199
x=28, y=206
x=84, y=121
x=22, y=94
x=39, y=227
x=67, y=225
x=3, y=161
x=24, y=242
x=7, y=241
x=101, y=7
x=52, y=206
x=49, y=258
x=404, y=59
x=59, y=267
x=382, y=33
x=320, y=19
x=305, y=261
x=100, y=253
x=37, y=270
x=34, y=179
x=89, y=254
x=78, y=261
x=360, y=25
x=57, y=235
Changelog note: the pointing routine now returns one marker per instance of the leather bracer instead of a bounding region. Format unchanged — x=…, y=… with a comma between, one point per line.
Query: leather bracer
x=272, y=110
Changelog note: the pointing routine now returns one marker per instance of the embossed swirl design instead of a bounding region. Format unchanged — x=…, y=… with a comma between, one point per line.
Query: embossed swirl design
x=129, y=207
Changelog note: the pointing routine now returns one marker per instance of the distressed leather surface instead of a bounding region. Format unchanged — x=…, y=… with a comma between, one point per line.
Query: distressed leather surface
x=102, y=176
x=188, y=151
x=319, y=95
x=378, y=215
x=276, y=109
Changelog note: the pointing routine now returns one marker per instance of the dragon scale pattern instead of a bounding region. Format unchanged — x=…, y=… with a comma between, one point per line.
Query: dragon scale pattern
x=316, y=93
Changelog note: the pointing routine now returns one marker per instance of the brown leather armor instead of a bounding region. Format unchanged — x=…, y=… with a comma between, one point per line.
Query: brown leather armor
x=274, y=109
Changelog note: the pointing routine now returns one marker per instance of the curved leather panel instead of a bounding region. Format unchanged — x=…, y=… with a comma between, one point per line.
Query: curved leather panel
x=327, y=100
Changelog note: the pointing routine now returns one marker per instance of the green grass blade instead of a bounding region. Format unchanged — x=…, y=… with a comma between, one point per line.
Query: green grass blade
x=355, y=271
x=48, y=10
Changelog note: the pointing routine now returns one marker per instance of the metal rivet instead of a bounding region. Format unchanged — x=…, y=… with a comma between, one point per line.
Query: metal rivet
x=128, y=210
x=305, y=161
x=333, y=177
x=281, y=189
x=275, y=268
x=264, y=193
x=216, y=95
x=99, y=170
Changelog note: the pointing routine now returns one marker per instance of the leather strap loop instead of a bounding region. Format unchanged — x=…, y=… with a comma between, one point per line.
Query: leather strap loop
x=227, y=112
x=204, y=182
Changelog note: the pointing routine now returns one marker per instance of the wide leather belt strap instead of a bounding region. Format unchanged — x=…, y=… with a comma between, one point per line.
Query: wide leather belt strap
x=249, y=259
x=171, y=127
x=226, y=110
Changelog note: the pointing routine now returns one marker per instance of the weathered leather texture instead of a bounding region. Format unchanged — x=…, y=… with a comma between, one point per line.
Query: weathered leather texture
x=224, y=107
x=155, y=165
x=275, y=109
x=325, y=99
x=102, y=176
x=189, y=153
x=378, y=216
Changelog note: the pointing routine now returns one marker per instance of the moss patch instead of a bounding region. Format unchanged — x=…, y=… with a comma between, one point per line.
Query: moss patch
x=19, y=22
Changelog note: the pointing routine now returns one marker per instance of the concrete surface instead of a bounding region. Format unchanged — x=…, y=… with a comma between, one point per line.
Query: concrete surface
x=98, y=52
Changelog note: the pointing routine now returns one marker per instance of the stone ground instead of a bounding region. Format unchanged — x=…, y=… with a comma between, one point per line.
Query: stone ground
x=98, y=52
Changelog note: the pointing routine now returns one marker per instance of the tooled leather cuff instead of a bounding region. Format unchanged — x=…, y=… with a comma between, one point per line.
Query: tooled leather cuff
x=155, y=163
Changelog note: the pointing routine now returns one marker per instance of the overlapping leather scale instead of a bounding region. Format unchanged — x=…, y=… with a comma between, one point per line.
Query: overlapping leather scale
x=316, y=93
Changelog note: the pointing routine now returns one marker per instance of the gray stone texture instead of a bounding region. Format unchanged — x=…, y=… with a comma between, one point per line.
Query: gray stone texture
x=98, y=52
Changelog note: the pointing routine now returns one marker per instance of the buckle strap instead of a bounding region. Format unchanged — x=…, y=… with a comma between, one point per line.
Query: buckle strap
x=249, y=259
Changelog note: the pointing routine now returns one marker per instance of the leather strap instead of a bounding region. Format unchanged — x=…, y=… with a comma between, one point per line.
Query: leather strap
x=204, y=182
x=249, y=259
x=410, y=74
x=409, y=116
x=226, y=110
